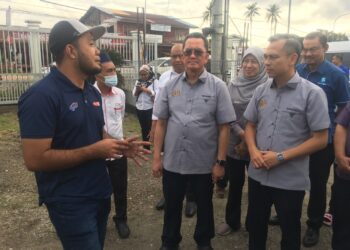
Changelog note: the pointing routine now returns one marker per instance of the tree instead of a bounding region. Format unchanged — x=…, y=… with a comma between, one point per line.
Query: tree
x=207, y=13
x=334, y=37
x=272, y=16
x=252, y=10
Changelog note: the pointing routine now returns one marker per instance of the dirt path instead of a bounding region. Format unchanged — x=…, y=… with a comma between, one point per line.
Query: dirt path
x=24, y=225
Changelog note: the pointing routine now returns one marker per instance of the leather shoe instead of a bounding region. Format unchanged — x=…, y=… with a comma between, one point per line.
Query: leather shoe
x=122, y=229
x=311, y=237
x=274, y=220
x=208, y=247
x=190, y=209
x=161, y=203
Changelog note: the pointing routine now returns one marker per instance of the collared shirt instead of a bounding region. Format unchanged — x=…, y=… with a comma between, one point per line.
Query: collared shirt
x=193, y=113
x=55, y=108
x=113, y=105
x=285, y=118
x=345, y=69
x=145, y=101
x=333, y=82
x=164, y=78
x=343, y=119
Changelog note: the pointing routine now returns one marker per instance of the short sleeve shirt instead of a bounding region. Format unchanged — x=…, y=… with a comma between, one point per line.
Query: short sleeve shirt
x=55, y=108
x=343, y=119
x=193, y=113
x=335, y=85
x=285, y=118
x=113, y=105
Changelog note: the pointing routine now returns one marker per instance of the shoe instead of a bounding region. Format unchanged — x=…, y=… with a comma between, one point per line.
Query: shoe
x=223, y=229
x=328, y=219
x=190, y=209
x=122, y=229
x=168, y=248
x=220, y=192
x=274, y=220
x=161, y=204
x=311, y=237
x=208, y=247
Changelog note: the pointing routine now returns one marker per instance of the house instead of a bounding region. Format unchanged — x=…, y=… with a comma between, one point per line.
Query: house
x=123, y=23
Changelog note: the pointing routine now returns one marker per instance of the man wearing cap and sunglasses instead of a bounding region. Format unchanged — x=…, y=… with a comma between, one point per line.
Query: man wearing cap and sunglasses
x=196, y=109
x=63, y=142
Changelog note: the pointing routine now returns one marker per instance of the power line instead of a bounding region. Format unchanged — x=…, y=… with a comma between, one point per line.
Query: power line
x=63, y=5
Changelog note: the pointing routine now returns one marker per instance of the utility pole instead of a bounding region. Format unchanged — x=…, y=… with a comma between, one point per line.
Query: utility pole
x=290, y=4
x=216, y=38
x=224, y=43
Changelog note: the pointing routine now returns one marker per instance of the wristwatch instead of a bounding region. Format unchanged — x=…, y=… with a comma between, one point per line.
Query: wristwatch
x=221, y=163
x=280, y=157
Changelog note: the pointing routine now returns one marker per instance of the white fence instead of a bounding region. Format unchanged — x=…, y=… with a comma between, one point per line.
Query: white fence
x=25, y=58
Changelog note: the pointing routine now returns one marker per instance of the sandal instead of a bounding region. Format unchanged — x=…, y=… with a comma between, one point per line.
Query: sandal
x=328, y=219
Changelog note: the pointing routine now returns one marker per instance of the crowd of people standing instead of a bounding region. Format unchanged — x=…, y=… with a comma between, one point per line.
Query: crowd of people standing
x=283, y=122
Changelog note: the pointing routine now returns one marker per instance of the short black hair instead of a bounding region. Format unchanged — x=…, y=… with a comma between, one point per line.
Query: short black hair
x=197, y=35
x=292, y=45
x=317, y=34
x=339, y=56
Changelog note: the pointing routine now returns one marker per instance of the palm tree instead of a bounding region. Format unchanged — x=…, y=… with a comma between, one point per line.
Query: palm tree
x=272, y=16
x=207, y=13
x=252, y=10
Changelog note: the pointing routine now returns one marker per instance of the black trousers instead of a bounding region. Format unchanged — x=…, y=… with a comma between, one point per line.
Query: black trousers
x=320, y=164
x=236, y=175
x=118, y=172
x=288, y=204
x=174, y=189
x=145, y=120
x=341, y=214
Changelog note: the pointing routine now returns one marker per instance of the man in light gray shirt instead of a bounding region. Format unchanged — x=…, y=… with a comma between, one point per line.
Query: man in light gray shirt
x=287, y=121
x=194, y=111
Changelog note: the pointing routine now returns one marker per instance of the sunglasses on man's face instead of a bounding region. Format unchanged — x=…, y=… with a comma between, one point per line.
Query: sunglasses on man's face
x=197, y=52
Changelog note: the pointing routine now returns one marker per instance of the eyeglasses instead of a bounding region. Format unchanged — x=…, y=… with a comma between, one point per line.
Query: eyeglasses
x=311, y=50
x=197, y=52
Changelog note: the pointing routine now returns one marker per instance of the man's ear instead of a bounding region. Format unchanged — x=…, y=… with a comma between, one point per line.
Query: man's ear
x=326, y=47
x=71, y=51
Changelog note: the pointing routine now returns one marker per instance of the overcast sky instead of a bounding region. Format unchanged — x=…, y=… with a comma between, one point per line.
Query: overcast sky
x=306, y=15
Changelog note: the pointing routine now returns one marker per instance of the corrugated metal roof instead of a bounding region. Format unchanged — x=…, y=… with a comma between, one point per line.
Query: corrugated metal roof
x=129, y=16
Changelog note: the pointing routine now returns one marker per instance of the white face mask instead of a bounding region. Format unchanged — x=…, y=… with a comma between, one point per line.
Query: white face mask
x=111, y=81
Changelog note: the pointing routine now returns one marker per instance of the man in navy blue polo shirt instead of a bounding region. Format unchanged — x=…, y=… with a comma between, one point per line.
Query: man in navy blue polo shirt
x=61, y=125
x=334, y=83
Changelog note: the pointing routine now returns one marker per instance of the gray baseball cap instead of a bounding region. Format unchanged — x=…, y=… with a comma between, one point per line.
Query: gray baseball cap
x=67, y=31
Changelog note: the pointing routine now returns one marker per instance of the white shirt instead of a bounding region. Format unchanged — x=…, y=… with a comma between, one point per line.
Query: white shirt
x=145, y=100
x=113, y=105
x=163, y=79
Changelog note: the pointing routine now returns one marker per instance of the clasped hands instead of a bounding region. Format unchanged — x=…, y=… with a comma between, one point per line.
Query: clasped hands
x=264, y=159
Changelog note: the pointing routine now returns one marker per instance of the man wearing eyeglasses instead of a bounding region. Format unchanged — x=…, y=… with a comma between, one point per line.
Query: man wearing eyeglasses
x=334, y=83
x=176, y=54
x=194, y=111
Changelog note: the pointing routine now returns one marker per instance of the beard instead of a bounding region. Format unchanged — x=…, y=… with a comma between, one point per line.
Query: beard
x=86, y=65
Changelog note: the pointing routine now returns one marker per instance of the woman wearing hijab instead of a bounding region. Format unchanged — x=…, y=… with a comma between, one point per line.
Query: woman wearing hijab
x=145, y=90
x=241, y=89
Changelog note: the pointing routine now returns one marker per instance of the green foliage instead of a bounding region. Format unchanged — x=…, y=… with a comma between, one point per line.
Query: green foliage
x=334, y=37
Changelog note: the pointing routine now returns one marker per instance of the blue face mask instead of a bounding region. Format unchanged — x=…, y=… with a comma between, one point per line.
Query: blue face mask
x=111, y=81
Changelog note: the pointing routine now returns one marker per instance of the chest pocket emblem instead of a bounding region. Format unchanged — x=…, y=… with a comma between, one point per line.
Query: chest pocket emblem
x=73, y=106
x=262, y=103
x=176, y=92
